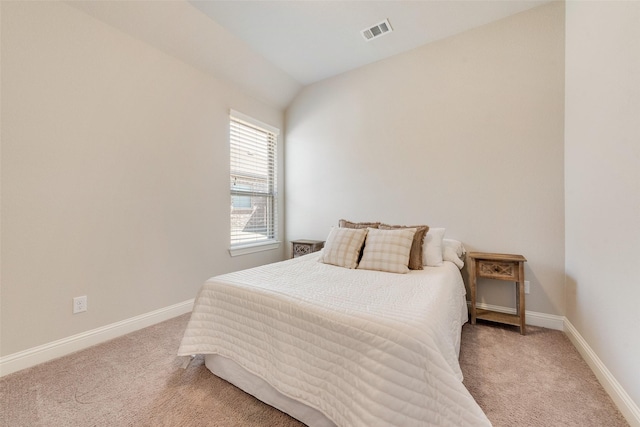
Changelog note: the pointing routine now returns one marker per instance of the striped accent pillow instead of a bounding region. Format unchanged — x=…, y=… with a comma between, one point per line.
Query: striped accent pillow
x=387, y=250
x=342, y=247
x=415, y=256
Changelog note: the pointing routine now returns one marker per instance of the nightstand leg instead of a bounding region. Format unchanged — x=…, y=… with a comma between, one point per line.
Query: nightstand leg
x=520, y=305
x=472, y=286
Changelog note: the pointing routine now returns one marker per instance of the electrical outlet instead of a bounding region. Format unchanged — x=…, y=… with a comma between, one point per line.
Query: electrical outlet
x=526, y=287
x=79, y=304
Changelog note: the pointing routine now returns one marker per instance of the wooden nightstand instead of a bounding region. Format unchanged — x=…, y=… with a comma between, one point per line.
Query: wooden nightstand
x=499, y=267
x=303, y=247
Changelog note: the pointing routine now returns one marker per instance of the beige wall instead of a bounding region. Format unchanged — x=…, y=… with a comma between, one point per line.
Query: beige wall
x=114, y=166
x=602, y=163
x=114, y=175
x=465, y=133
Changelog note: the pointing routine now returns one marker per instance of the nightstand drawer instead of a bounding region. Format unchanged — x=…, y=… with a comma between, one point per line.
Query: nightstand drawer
x=498, y=270
x=304, y=247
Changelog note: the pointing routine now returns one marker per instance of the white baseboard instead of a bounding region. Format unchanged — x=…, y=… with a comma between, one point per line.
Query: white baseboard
x=533, y=318
x=43, y=353
x=623, y=401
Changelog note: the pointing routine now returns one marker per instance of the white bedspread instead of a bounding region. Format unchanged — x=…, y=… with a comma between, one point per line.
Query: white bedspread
x=365, y=348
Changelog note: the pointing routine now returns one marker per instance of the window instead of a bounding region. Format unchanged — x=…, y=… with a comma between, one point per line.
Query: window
x=253, y=185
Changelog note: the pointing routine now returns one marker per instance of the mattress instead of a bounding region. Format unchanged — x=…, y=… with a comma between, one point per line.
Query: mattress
x=361, y=348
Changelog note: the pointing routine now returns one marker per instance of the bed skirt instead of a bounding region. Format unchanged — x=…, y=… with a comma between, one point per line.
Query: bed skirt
x=230, y=371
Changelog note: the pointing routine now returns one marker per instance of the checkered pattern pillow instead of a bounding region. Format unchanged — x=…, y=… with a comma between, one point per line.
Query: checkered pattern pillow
x=342, y=247
x=387, y=250
x=415, y=256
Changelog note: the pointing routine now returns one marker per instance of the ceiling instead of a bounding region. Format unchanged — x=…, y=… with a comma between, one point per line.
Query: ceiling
x=271, y=49
x=313, y=40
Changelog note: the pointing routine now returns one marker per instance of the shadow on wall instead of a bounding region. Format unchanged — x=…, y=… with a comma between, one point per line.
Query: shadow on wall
x=570, y=294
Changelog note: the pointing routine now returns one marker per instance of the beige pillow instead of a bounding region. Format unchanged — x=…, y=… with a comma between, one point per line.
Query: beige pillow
x=387, y=250
x=343, y=223
x=348, y=224
x=342, y=247
x=415, y=258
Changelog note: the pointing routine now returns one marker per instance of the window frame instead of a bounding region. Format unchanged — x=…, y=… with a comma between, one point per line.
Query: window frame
x=273, y=200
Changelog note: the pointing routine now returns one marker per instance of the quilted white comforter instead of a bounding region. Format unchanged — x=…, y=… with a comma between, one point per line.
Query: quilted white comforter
x=365, y=348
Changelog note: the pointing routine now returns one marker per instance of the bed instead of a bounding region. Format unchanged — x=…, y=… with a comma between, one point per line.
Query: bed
x=334, y=346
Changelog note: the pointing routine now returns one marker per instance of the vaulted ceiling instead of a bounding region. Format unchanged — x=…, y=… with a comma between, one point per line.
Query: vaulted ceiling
x=313, y=40
x=271, y=49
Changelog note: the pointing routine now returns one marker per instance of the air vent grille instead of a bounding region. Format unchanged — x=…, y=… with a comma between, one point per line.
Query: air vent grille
x=377, y=30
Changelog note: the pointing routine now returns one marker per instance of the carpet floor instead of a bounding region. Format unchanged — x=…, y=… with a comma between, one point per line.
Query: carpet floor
x=136, y=380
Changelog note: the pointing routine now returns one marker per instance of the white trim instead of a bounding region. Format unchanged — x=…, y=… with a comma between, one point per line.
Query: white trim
x=256, y=247
x=533, y=318
x=619, y=396
x=43, y=353
x=251, y=121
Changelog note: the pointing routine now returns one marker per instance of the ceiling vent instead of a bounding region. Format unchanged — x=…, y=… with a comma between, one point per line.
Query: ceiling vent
x=377, y=30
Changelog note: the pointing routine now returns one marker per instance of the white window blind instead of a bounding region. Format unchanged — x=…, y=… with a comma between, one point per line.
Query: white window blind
x=253, y=161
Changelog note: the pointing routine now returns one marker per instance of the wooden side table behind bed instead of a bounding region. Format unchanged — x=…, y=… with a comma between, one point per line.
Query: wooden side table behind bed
x=303, y=247
x=499, y=267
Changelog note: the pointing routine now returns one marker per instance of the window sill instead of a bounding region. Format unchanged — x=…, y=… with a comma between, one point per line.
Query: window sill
x=258, y=247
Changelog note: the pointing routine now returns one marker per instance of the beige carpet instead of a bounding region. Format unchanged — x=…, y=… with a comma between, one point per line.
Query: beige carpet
x=536, y=380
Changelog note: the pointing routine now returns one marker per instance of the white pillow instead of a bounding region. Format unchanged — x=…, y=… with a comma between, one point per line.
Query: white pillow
x=453, y=250
x=432, y=251
x=342, y=247
x=456, y=246
x=387, y=250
